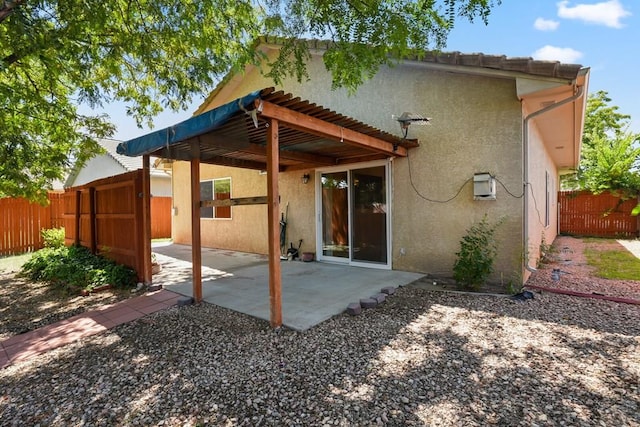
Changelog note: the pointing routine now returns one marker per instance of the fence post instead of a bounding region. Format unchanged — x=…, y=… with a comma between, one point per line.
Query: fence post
x=92, y=220
x=146, y=219
x=77, y=217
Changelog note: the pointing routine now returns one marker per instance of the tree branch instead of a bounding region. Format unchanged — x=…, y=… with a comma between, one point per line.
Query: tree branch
x=7, y=8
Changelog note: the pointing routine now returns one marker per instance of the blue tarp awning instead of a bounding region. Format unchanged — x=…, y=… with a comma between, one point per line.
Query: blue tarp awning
x=190, y=128
x=235, y=134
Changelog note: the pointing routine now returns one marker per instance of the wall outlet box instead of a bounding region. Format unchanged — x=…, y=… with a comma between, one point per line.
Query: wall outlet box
x=484, y=186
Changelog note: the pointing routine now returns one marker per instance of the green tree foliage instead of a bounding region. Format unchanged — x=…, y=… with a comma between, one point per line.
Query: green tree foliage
x=156, y=55
x=610, y=157
x=613, y=165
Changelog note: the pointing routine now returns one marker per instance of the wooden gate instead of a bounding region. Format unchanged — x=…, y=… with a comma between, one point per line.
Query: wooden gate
x=603, y=215
x=107, y=216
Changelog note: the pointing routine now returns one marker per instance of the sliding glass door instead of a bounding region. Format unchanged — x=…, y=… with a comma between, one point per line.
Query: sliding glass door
x=335, y=219
x=353, y=216
x=369, y=215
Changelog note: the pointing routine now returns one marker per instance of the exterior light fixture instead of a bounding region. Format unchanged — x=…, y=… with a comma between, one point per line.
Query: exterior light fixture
x=305, y=178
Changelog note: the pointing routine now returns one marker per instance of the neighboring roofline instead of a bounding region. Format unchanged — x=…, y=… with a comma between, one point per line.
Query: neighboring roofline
x=480, y=64
x=113, y=157
x=75, y=171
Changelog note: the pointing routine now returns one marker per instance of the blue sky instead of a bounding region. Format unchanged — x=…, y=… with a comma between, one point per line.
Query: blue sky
x=601, y=35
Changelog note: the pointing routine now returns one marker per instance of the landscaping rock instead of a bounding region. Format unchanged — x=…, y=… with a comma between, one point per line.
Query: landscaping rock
x=354, y=309
x=185, y=301
x=368, y=303
x=389, y=290
x=421, y=358
x=379, y=297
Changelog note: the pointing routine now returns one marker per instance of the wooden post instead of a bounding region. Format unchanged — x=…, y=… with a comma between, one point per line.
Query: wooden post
x=146, y=220
x=93, y=247
x=77, y=218
x=196, y=248
x=273, y=207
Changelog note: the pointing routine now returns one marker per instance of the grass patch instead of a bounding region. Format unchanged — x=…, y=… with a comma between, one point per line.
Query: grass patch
x=614, y=264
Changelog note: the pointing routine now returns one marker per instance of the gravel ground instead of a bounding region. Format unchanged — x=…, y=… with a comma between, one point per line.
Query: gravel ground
x=421, y=358
x=26, y=305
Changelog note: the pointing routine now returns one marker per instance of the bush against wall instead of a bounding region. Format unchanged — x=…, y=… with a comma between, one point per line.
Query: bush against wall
x=478, y=251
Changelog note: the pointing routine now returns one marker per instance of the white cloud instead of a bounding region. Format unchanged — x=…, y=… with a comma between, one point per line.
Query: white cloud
x=545, y=24
x=565, y=55
x=608, y=13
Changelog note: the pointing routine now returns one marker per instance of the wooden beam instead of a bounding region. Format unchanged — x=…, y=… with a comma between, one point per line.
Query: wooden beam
x=309, y=124
x=235, y=145
x=273, y=207
x=231, y=162
x=297, y=156
x=146, y=220
x=239, y=201
x=196, y=244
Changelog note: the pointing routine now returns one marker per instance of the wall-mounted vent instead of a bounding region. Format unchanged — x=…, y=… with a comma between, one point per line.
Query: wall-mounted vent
x=484, y=186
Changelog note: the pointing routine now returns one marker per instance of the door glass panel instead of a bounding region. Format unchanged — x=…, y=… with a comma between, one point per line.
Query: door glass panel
x=335, y=219
x=369, y=189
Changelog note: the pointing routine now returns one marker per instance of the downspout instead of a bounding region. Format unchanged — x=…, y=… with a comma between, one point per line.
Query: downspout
x=525, y=175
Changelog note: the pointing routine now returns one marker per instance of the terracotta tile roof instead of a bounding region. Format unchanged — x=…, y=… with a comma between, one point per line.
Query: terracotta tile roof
x=525, y=65
x=501, y=62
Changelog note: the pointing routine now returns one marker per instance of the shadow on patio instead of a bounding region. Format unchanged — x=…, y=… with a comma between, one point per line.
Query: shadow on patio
x=311, y=291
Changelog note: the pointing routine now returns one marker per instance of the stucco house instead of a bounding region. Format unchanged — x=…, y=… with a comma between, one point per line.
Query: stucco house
x=501, y=131
x=111, y=163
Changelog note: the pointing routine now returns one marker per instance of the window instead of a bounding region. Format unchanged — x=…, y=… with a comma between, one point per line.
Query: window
x=215, y=189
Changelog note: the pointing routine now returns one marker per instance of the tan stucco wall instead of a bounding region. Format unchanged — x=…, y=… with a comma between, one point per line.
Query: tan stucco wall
x=247, y=228
x=476, y=127
x=539, y=163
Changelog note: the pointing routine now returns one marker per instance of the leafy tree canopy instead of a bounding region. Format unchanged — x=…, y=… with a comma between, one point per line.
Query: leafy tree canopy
x=154, y=55
x=610, y=157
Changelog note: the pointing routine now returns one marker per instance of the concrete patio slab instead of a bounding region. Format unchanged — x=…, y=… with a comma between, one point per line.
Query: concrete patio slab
x=312, y=292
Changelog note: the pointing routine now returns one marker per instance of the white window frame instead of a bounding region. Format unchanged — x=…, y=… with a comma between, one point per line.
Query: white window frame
x=213, y=186
x=318, y=190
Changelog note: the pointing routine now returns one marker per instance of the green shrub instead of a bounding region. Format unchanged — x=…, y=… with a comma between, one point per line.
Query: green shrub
x=478, y=250
x=53, y=237
x=75, y=268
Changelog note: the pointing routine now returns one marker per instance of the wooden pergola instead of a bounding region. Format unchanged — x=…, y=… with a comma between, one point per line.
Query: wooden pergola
x=265, y=130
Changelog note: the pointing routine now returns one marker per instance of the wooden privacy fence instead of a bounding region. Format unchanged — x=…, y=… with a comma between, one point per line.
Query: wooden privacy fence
x=22, y=221
x=107, y=216
x=602, y=215
x=161, y=217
